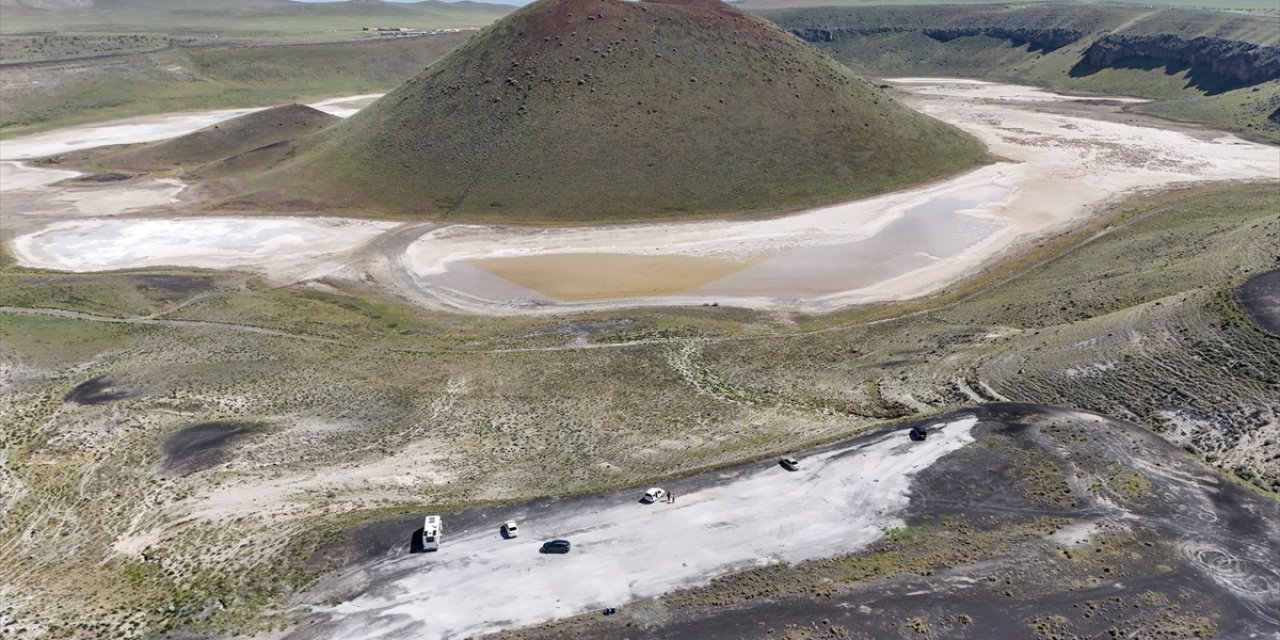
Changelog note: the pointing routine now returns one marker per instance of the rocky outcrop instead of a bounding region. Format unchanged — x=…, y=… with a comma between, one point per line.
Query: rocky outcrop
x=1044, y=40
x=1242, y=62
x=819, y=34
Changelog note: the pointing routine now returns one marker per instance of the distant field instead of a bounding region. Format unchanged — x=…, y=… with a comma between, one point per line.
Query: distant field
x=258, y=18
x=38, y=97
x=1259, y=6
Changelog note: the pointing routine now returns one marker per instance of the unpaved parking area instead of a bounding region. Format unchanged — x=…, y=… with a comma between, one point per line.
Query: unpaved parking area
x=1054, y=523
x=842, y=499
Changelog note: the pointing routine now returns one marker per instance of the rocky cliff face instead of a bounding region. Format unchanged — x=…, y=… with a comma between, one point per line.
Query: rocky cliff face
x=1044, y=40
x=1234, y=62
x=1242, y=62
x=818, y=34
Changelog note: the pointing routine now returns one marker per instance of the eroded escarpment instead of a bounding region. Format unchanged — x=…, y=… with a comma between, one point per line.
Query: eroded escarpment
x=1045, y=40
x=1232, y=59
x=1214, y=52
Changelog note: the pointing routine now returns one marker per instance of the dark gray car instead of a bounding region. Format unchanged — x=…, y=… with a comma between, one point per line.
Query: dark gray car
x=555, y=546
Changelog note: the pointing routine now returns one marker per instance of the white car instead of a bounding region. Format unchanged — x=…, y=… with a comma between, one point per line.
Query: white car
x=653, y=495
x=510, y=530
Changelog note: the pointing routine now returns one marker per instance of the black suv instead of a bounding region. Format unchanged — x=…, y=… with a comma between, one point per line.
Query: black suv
x=555, y=546
x=918, y=433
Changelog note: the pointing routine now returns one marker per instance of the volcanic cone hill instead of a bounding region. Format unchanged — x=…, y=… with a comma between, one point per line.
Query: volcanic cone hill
x=602, y=110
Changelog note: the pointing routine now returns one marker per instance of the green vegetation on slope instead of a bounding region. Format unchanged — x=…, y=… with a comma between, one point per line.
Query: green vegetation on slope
x=41, y=97
x=224, y=140
x=258, y=18
x=576, y=110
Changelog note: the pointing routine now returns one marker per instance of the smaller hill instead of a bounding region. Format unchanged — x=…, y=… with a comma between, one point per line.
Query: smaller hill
x=235, y=137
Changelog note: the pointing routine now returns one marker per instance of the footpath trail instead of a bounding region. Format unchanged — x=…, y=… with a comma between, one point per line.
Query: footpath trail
x=76, y=315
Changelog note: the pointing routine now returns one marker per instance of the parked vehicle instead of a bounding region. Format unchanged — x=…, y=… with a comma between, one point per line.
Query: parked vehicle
x=918, y=433
x=790, y=464
x=653, y=495
x=555, y=546
x=431, y=526
x=510, y=530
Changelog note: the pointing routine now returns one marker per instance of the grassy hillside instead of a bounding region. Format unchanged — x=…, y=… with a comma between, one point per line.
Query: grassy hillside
x=581, y=110
x=1154, y=53
x=1130, y=316
x=44, y=96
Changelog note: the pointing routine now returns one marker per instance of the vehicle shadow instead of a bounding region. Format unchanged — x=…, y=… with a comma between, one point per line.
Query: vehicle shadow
x=415, y=542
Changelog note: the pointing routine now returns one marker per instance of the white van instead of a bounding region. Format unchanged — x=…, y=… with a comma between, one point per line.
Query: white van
x=431, y=533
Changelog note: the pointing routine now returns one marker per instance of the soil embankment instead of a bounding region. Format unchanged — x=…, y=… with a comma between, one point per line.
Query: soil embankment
x=1259, y=298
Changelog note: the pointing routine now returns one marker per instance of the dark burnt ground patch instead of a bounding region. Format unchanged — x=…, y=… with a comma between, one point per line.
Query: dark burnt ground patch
x=171, y=287
x=1053, y=524
x=1259, y=298
x=97, y=390
x=129, y=295
x=198, y=447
